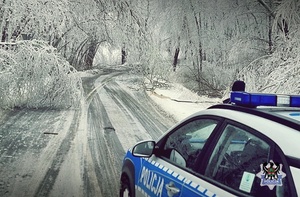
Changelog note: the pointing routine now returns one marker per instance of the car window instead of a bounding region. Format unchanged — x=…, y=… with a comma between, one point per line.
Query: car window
x=236, y=159
x=185, y=143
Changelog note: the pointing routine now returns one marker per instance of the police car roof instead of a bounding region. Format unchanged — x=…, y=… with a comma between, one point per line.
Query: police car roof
x=275, y=123
x=288, y=116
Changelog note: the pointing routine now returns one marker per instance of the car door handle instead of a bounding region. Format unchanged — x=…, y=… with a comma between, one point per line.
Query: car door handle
x=172, y=189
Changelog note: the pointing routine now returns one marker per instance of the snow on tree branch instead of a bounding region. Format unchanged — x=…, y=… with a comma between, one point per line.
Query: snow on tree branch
x=278, y=72
x=35, y=76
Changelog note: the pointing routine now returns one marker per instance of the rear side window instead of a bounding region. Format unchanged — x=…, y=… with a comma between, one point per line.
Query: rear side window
x=236, y=159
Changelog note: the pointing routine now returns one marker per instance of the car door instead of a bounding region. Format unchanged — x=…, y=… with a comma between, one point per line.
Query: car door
x=158, y=178
x=236, y=160
x=170, y=167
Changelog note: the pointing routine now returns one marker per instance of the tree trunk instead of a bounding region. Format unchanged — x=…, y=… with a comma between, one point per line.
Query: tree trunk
x=270, y=30
x=4, y=35
x=123, y=58
x=200, y=57
x=4, y=32
x=90, y=55
x=175, y=58
x=285, y=27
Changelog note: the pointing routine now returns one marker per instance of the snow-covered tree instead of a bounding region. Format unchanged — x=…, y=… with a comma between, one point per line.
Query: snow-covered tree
x=92, y=21
x=34, y=75
x=278, y=72
x=215, y=39
x=206, y=42
x=75, y=28
x=35, y=19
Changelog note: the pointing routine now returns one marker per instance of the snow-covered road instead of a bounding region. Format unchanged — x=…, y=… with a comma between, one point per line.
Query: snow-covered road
x=77, y=152
x=34, y=145
x=117, y=119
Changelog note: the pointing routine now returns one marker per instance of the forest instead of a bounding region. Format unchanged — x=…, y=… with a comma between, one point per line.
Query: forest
x=203, y=44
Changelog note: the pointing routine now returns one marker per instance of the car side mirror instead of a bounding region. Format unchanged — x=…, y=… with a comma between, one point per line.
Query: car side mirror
x=143, y=149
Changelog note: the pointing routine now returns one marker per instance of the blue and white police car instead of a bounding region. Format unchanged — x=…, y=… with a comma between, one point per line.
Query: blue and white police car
x=250, y=147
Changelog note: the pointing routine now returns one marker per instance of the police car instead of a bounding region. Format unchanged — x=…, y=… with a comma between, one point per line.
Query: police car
x=250, y=147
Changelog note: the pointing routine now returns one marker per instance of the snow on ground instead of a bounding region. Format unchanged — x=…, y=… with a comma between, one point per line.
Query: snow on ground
x=181, y=102
x=176, y=100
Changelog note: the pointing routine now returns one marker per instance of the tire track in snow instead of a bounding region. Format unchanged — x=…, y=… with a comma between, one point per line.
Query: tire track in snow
x=103, y=163
x=150, y=121
x=22, y=146
x=49, y=179
x=105, y=149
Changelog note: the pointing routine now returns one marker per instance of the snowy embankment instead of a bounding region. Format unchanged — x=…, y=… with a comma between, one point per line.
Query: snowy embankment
x=181, y=102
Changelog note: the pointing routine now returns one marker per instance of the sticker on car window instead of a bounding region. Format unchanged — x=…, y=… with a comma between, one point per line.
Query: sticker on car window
x=247, y=181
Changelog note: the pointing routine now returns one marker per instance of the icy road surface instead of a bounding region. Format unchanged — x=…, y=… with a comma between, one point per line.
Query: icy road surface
x=77, y=152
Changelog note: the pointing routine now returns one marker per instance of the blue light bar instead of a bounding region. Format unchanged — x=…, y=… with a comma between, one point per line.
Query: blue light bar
x=295, y=101
x=263, y=99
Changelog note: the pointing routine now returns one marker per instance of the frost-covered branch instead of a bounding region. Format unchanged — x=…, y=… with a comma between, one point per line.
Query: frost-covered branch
x=36, y=76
